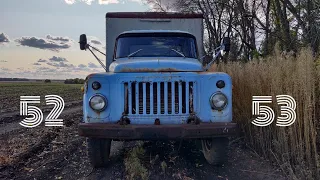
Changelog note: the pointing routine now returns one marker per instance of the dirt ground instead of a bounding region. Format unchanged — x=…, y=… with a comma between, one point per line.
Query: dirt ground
x=59, y=153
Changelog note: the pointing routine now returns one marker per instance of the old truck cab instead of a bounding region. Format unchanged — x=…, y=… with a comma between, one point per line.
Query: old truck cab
x=156, y=87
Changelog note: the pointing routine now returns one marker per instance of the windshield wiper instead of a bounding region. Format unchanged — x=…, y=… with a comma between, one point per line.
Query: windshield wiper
x=178, y=52
x=134, y=53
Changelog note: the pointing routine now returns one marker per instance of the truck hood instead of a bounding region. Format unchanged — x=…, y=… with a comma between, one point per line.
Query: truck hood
x=163, y=64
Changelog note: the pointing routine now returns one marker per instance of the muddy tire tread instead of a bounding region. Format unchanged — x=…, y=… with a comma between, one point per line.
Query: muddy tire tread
x=98, y=151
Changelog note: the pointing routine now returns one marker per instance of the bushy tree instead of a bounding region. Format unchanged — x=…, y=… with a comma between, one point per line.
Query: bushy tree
x=47, y=81
x=74, y=81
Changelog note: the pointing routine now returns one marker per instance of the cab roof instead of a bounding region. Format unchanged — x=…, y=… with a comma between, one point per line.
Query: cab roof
x=157, y=15
x=154, y=31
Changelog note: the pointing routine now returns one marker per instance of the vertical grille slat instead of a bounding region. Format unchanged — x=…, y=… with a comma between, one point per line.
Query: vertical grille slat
x=151, y=98
x=144, y=105
x=166, y=97
x=191, y=98
x=169, y=98
x=176, y=98
x=173, y=97
x=159, y=98
x=130, y=98
x=126, y=98
x=162, y=97
x=187, y=98
x=180, y=98
x=137, y=98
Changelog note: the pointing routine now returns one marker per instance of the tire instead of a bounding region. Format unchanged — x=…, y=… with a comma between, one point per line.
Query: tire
x=215, y=150
x=98, y=151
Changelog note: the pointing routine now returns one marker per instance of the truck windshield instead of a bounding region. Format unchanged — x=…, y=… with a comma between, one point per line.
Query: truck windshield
x=156, y=45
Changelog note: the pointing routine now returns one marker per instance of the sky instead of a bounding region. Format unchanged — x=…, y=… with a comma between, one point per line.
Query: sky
x=39, y=38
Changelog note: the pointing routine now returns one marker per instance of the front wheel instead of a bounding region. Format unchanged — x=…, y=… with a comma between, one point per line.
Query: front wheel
x=98, y=151
x=215, y=150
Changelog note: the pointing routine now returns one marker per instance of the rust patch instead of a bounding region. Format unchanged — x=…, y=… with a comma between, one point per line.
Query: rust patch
x=97, y=113
x=149, y=70
x=157, y=122
x=124, y=121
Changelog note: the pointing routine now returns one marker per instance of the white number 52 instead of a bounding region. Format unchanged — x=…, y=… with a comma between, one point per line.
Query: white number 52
x=36, y=115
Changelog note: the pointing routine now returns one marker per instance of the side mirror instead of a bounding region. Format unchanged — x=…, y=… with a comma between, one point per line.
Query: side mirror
x=226, y=42
x=83, y=41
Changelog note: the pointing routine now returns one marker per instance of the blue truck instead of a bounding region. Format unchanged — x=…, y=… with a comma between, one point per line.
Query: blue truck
x=156, y=87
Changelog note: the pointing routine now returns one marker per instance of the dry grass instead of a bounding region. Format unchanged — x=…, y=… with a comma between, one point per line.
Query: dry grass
x=134, y=166
x=293, y=148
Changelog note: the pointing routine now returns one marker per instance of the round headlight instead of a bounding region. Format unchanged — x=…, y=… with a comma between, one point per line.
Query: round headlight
x=98, y=102
x=218, y=101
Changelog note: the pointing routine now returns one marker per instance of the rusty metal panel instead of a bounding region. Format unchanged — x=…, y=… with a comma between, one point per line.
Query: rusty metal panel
x=135, y=132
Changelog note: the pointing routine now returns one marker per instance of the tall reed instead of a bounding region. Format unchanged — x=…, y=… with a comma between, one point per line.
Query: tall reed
x=293, y=148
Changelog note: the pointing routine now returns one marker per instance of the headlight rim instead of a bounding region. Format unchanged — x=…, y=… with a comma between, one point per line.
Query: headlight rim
x=212, y=104
x=105, y=102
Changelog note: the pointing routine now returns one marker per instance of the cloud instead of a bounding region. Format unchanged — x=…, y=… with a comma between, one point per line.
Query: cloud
x=46, y=70
x=54, y=61
x=55, y=38
x=102, y=2
x=94, y=40
x=5, y=69
x=70, y=1
x=97, y=42
x=58, y=59
x=108, y=1
x=67, y=68
x=58, y=62
x=4, y=38
x=74, y=1
x=82, y=66
x=60, y=65
x=42, y=60
x=50, y=42
x=92, y=65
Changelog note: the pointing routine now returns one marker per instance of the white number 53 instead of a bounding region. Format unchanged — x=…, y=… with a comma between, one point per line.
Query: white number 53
x=266, y=114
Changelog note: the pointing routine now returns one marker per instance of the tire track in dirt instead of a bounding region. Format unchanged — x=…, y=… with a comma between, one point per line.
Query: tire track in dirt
x=59, y=153
x=10, y=121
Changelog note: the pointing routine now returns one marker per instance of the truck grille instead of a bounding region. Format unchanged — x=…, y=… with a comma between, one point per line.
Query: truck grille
x=158, y=98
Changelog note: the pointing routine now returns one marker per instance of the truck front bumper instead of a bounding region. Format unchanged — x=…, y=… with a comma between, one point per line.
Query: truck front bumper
x=154, y=132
